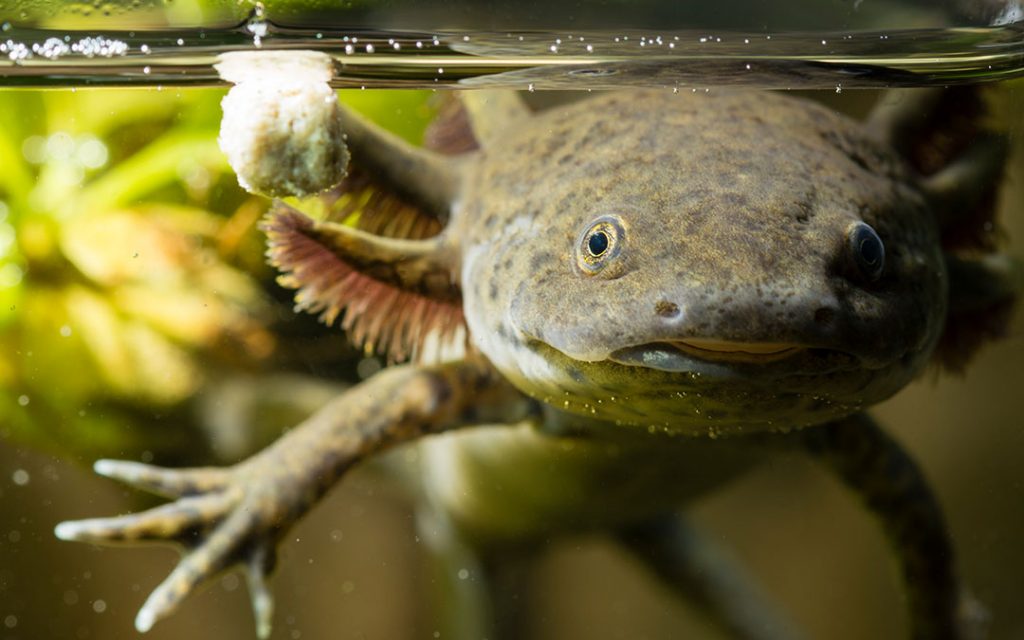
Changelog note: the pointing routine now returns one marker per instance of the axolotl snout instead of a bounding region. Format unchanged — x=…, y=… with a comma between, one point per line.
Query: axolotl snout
x=639, y=295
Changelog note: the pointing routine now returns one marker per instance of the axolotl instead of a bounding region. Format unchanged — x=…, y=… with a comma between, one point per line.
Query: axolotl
x=620, y=304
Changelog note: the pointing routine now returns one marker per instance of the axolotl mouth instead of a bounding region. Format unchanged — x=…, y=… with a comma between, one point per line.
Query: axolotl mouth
x=704, y=354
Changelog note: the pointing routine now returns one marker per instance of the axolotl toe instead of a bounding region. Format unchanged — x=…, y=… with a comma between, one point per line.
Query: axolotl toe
x=632, y=298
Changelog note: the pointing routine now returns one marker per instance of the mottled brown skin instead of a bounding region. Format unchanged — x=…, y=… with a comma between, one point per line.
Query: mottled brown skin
x=731, y=302
x=743, y=242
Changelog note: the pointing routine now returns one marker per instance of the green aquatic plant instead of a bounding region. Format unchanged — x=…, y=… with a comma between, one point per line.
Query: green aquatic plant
x=131, y=272
x=117, y=280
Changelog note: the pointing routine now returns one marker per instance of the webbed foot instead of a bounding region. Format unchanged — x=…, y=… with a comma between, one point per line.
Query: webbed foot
x=222, y=517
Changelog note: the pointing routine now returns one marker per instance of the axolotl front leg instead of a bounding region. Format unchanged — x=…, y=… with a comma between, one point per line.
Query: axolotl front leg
x=236, y=515
x=286, y=134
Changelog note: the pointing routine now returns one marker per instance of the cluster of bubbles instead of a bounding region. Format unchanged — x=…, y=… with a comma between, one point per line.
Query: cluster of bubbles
x=56, y=48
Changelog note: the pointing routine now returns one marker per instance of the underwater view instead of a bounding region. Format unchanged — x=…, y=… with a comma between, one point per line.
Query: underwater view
x=649, y=262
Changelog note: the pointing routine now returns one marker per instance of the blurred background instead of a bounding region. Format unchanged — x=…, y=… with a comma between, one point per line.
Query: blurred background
x=138, y=321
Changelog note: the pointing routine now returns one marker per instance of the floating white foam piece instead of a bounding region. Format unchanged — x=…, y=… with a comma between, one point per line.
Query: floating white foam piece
x=282, y=124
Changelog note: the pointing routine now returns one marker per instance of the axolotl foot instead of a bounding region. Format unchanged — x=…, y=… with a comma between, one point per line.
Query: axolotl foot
x=236, y=515
x=221, y=516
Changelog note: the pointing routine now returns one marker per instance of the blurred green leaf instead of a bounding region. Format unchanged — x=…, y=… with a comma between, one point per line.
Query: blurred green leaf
x=165, y=161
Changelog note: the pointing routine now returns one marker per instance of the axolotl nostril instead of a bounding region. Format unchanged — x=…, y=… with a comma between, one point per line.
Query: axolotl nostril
x=620, y=304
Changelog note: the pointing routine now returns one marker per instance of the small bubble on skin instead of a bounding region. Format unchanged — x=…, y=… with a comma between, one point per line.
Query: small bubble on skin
x=229, y=582
x=11, y=621
x=65, y=331
x=20, y=477
x=23, y=400
x=70, y=597
x=348, y=587
x=99, y=606
x=463, y=574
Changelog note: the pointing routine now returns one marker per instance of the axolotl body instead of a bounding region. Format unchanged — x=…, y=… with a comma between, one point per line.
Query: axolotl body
x=632, y=298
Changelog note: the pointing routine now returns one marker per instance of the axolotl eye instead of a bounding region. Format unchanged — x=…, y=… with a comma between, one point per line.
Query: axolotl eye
x=598, y=244
x=866, y=249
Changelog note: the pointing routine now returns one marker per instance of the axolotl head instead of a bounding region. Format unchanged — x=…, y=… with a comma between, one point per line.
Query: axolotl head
x=723, y=263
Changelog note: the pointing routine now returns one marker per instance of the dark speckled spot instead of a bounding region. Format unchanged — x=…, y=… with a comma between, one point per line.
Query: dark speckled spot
x=666, y=309
x=541, y=260
x=824, y=315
